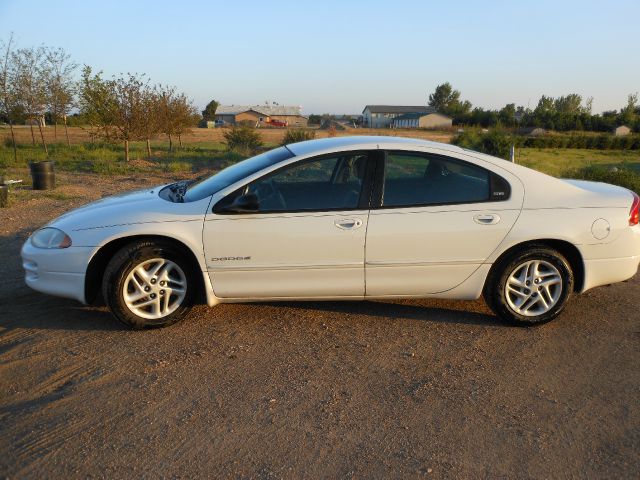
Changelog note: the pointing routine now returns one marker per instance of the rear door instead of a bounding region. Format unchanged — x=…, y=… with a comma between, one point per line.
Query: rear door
x=306, y=240
x=437, y=219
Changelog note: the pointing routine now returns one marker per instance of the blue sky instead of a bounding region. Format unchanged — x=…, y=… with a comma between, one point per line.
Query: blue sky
x=338, y=56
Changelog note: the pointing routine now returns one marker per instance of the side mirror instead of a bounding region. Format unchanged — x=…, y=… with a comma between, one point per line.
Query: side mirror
x=247, y=203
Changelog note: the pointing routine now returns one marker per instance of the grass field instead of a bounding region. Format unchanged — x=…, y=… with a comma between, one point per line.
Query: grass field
x=560, y=161
x=203, y=151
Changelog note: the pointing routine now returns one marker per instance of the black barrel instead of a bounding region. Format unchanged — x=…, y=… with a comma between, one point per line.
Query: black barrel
x=43, y=175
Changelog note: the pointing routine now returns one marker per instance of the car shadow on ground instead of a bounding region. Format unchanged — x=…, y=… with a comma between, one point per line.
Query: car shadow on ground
x=43, y=312
x=399, y=311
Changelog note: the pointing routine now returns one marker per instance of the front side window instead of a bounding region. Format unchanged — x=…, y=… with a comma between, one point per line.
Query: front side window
x=205, y=187
x=328, y=183
x=412, y=179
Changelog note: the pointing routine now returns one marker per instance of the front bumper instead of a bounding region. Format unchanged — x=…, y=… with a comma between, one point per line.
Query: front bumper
x=59, y=272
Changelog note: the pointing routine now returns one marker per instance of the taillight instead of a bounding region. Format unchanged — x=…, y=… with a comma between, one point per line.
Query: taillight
x=635, y=210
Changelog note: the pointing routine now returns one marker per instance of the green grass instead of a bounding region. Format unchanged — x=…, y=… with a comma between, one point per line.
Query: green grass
x=200, y=158
x=108, y=159
x=559, y=161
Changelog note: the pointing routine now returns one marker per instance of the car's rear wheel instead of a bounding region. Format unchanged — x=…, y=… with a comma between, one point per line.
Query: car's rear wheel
x=147, y=284
x=530, y=287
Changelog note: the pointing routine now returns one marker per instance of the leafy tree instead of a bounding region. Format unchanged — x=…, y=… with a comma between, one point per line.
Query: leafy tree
x=177, y=114
x=60, y=87
x=30, y=84
x=150, y=117
x=545, y=105
x=628, y=113
x=209, y=112
x=508, y=115
x=569, y=104
x=8, y=100
x=447, y=100
x=116, y=108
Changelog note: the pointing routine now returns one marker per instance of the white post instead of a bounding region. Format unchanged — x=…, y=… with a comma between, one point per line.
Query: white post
x=512, y=155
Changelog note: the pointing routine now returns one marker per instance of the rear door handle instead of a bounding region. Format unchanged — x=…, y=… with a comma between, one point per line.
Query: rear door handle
x=487, y=219
x=348, y=223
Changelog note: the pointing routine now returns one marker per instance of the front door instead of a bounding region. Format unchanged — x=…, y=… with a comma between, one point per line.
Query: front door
x=306, y=238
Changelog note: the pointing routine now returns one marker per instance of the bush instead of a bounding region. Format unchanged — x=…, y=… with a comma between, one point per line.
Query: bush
x=243, y=139
x=496, y=142
x=620, y=176
x=298, y=135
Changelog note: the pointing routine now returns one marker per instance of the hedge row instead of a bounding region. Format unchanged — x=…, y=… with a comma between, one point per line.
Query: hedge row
x=596, y=142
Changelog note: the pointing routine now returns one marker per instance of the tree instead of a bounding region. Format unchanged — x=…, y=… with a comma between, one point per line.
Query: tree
x=545, y=105
x=209, y=112
x=177, y=114
x=116, y=107
x=30, y=85
x=570, y=104
x=628, y=113
x=185, y=115
x=60, y=86
x=447, y=100
x=150, y=115
x=7, y=91
x=508, y=115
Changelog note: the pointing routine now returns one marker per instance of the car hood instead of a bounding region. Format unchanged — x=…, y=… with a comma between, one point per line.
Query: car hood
x=140, y=206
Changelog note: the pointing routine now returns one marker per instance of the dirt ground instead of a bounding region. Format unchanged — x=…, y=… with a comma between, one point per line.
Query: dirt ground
x=410, y=389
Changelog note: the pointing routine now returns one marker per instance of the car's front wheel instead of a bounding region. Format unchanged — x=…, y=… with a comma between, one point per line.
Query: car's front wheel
x=147, y=284
x=530, y=287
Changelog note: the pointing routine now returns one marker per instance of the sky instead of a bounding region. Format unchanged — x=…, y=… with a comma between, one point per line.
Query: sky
x=336, y=56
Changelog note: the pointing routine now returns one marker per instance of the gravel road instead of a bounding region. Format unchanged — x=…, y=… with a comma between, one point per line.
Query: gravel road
x=406, y=389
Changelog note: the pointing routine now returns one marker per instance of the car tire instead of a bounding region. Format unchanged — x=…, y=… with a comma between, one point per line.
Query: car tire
x=529, y=287
x=149, y=284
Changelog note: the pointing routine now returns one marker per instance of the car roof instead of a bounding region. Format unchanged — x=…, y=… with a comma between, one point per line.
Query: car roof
x=364, y=142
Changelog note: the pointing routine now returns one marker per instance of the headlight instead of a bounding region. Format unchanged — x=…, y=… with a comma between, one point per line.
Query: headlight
x=50, y=237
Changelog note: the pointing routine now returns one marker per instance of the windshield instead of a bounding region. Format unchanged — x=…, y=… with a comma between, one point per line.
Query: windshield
x=207, y=186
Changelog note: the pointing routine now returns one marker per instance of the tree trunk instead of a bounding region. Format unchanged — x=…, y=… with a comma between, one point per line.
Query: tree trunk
x=33, y=137
x=66, y=131
x=13, y=140
x=55, y=130
x=44, y=144
x=170, y=143
x=180, y=140
x=126, y=151
x=148, y=148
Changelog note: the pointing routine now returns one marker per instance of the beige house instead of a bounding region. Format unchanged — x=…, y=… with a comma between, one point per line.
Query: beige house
x=381, y=116
x=621, y=131
x=422, y=120
x=261, y=115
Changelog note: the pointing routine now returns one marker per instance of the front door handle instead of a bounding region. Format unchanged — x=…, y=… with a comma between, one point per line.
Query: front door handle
x=487, y=219
x=348, y=223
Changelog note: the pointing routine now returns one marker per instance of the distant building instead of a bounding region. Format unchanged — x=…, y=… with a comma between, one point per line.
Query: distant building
x=381, y=116
x=261, y=115
x=422, y=120
x=532, y=131
x=621, y=131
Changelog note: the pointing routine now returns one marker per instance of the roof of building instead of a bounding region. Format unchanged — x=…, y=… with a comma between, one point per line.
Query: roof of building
x=413, y=115
x=269, y=110
x=399, y=109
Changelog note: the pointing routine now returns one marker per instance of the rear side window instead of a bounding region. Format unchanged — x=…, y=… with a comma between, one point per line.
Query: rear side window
x=412, y=179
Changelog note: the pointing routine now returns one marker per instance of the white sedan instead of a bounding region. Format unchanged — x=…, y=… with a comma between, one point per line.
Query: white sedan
x=346, y=218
